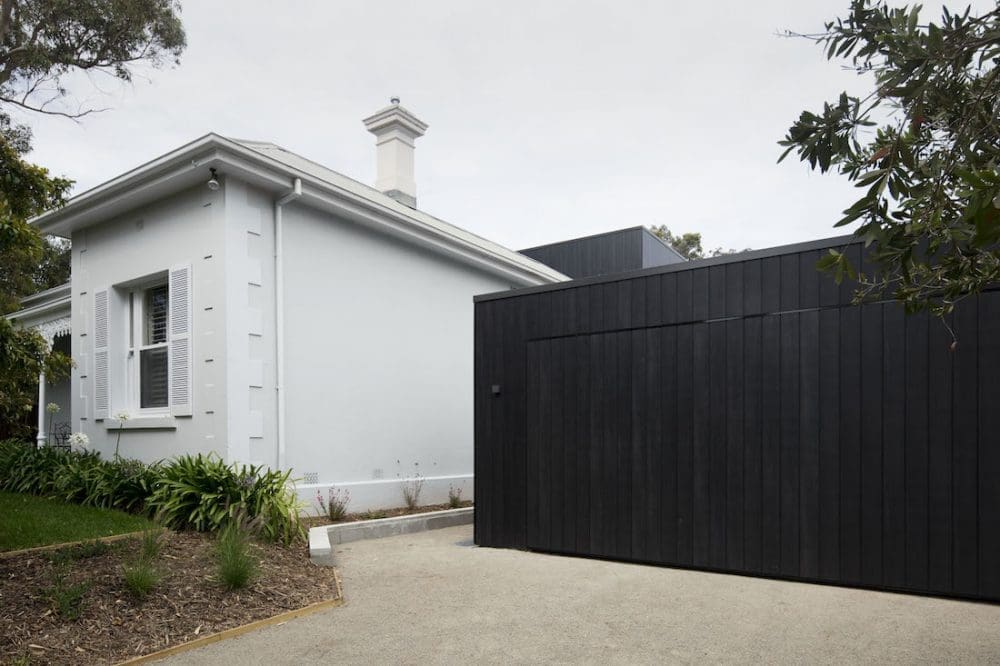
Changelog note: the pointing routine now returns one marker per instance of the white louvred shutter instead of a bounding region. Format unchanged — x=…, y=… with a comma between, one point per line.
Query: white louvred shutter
x=102, y=371
x=180, y=382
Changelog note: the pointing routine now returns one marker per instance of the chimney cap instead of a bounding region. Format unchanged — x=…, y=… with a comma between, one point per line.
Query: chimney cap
x=393, y=117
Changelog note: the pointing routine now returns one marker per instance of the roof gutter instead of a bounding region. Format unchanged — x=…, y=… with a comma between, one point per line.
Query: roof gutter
x=265, y=171
x=279, y=313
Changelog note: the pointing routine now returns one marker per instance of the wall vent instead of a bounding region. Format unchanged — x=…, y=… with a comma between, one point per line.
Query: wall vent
x=311, y=477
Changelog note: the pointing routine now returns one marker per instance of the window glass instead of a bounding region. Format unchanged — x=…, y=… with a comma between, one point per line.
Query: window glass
x=155, y=312
x=148, y=347
x=153, y=377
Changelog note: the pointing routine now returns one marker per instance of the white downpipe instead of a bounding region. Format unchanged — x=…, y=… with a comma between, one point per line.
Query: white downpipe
x=279, y=314
x=42, y=437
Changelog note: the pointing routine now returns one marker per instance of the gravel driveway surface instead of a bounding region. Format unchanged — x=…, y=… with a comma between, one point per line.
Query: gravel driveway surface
x=435, y=598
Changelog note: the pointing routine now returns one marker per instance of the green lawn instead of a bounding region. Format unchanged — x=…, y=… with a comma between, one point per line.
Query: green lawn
x=27, y=521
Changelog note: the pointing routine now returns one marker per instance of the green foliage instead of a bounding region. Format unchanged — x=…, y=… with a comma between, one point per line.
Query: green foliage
x=150, y=546
x=66, y=597
x=88, y=549
x=374, y=514
x=140, y=576
x=688, y=244
x=23, y=355
x=191, y=492
x=924, y=146
x=82, y=551
x=26, y=190
x=115, y=484
x=43, y=40
x=79, y=477
x=204, y=493
x=54, y=268
x=237, y=564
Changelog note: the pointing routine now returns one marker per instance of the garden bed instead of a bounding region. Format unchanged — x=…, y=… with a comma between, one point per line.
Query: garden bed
x=318, y=521
x=113, y=625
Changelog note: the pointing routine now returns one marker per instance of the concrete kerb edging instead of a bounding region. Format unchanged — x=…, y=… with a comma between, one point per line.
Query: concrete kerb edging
x=324, y=538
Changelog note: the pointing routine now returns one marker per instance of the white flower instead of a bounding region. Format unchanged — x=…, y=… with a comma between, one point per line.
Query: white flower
x=122, y=416
x=52, y=408
x=79, y=441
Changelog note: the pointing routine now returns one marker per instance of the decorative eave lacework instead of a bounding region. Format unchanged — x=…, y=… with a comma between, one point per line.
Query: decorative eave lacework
x=50, y=329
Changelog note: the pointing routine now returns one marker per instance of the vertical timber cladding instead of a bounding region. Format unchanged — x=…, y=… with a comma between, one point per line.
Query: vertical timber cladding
x=741, y=415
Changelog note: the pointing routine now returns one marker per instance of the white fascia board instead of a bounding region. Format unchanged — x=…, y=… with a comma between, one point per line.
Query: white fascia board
x=189, y=165
x=180, y=169
x=53, y=294
x=406, y=223
x=43, y=312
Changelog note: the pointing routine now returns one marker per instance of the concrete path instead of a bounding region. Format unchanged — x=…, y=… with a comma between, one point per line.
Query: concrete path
x=434, y=597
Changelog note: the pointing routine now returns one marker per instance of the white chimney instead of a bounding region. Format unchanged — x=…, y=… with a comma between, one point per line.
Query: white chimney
x=395, y=130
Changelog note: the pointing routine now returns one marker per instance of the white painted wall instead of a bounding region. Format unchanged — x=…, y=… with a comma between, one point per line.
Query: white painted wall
x=379, y=343
x=379, y=361
x=250, y=383
x=185, y=228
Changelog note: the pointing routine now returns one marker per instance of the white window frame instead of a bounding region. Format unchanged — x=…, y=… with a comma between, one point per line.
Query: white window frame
x=134, y=325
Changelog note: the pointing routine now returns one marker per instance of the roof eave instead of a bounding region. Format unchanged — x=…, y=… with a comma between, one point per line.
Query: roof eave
x=189, y=164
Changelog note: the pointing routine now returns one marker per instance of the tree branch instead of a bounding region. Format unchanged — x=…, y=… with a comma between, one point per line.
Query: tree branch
x=41, y=109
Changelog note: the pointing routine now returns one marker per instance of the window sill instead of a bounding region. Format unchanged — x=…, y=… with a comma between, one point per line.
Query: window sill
x=165, y=422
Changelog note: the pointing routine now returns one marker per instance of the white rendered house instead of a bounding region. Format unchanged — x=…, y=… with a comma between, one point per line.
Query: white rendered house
x=236, y=298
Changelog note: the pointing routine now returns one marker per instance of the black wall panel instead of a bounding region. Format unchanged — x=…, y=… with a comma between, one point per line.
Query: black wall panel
x=742, y=415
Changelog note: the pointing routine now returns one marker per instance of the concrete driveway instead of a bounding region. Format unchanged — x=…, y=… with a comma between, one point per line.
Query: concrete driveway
x=434, y=597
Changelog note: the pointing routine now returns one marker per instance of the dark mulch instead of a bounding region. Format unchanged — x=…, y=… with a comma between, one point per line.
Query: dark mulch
x=113, y=625
x=316, y=521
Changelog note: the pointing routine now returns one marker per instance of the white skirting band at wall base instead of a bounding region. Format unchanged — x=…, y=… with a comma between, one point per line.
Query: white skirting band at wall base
x=384, y=493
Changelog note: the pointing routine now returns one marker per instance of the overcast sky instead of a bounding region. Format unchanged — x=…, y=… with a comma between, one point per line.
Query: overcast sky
x=548, y=120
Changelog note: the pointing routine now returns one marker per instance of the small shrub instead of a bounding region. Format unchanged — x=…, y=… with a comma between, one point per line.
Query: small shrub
x=25, y=469
x=91, y=548
x=190, y=492
x=334, y=506
x=119, y=484
x=238, y=566
x=204, y=493
x=150, y=545
x=81, y=551
x=141, y=576
x=374, y=514
x=411, y=485
x=67, y=598
x=454, y=497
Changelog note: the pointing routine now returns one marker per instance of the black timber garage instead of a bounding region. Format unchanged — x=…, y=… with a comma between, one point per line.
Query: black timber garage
x=740, y=414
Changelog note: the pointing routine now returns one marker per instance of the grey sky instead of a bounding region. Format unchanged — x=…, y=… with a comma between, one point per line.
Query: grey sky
x=548, y=120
